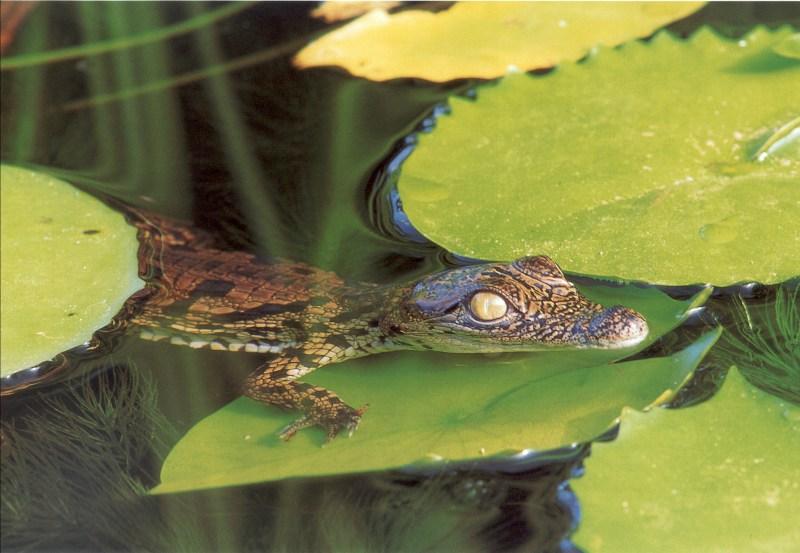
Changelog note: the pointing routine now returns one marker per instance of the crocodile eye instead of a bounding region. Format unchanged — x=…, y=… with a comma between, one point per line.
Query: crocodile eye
x=487, y=306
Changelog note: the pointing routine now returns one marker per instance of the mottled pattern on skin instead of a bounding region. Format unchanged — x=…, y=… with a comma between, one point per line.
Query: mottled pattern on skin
x=205, y=297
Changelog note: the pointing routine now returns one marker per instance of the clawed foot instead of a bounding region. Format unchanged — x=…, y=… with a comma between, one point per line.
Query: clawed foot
x=333, y=420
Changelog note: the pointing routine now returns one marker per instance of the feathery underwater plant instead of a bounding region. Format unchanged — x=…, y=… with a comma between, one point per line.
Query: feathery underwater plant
x=76, y=466
x=765, y=343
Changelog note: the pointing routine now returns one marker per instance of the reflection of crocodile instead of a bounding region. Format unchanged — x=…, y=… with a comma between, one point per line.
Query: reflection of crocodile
x=306, y=317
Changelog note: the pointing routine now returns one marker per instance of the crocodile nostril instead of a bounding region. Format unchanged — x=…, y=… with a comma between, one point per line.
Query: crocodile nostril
x=618, y=326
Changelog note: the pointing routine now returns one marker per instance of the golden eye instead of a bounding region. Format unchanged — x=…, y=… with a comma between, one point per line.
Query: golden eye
x=487, y=306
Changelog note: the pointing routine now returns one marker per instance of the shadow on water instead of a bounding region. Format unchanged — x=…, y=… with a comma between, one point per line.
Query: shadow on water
x=194, y=111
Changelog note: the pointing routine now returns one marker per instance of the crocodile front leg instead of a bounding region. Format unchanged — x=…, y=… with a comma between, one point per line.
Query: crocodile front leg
x=275, y=383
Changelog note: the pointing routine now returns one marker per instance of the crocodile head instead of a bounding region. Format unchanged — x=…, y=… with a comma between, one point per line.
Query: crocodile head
x=519, y=306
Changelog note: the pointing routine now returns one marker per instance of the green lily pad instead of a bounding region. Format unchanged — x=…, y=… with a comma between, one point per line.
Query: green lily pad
x=426, y=407
x=789, y=46
x=721, y=476
x=483, y=39
x=640, y=162
x=68, y=264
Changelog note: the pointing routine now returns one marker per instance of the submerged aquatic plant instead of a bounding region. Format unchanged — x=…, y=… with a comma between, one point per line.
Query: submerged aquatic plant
x=465, y=510
x=376, y=513
x=76, y=466
x=765, y=343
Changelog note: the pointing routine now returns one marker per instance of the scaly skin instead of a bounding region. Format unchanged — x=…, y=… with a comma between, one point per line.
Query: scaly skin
x=307, y=318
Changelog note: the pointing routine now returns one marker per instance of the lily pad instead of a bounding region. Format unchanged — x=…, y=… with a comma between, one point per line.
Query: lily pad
x=789, y=46
x=428, y=408
x=68, y=264
x=331, y=12
x=697, y=479
x=483, y=39
x=640, y=163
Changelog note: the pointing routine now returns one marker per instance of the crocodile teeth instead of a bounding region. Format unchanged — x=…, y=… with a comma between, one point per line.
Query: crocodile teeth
x=235, y=346
x=197, y=344
x=178, y=341
x=218, y=346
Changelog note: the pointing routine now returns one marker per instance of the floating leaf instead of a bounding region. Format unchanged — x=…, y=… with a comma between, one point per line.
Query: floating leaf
x=68, y=265
x=426, y=406
x=784, y=143
x=483, y=39
x=331, y=12
x=637, y=163
x=721, y=476
x=789, y=46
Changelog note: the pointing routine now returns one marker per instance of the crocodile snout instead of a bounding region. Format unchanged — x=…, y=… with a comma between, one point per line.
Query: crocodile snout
x=616, y=327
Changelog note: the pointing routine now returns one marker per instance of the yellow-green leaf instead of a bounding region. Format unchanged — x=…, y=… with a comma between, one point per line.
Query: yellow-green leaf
x=68, y=264
x=483, y=39
x=331, y=12
x=789, y=46
x=721, y=476
x=673, y=162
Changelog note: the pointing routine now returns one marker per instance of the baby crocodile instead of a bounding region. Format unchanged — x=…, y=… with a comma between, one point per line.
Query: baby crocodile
x=305, y=317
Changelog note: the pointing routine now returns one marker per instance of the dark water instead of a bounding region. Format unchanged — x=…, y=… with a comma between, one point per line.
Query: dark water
x=283, y=162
